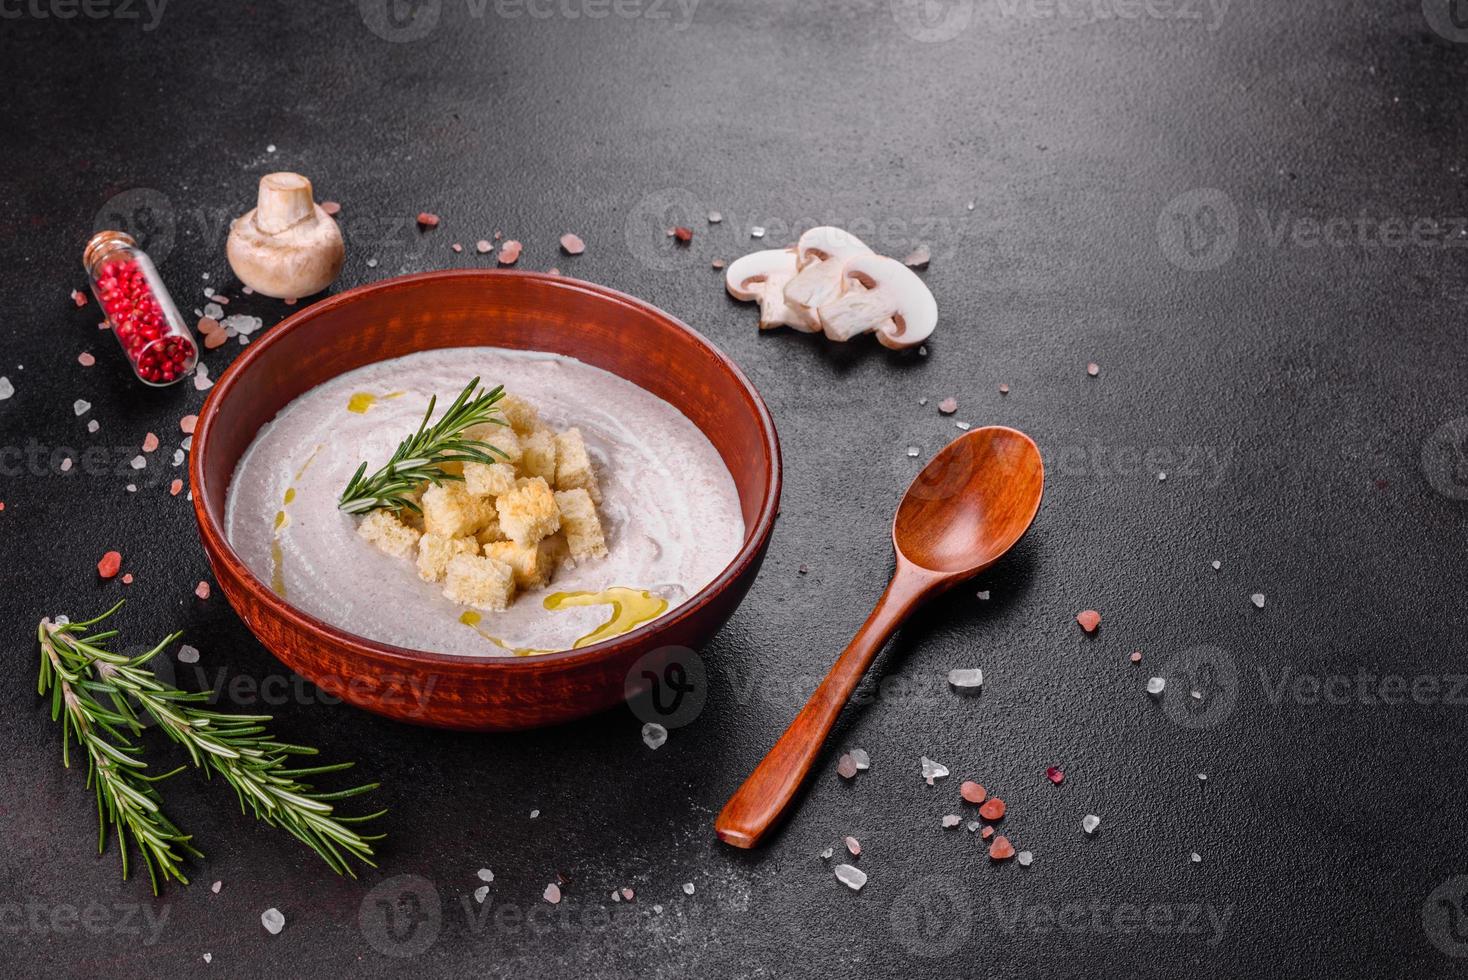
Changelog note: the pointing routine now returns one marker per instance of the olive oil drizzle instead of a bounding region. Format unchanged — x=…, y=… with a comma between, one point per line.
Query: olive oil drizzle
x=283, y=521
x=630, y=609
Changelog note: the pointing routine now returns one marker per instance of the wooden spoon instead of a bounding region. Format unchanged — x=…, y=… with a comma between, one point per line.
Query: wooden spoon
x=960, y=515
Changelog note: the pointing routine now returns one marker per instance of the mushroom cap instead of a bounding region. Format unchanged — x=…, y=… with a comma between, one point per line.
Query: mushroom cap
x=301, y=260
x=746, y=277
x=827, y=242
x=882, y=295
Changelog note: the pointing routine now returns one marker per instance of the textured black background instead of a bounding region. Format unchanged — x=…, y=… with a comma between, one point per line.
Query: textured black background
x=1311, y=378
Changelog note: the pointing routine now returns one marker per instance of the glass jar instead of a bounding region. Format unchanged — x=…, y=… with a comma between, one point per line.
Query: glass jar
x=158, y=344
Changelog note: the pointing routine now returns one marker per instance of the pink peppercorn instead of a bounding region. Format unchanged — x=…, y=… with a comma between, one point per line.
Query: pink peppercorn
x=142, y=315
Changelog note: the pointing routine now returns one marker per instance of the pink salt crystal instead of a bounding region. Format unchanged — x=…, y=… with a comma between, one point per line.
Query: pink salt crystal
x=1136, y=657
x=509, y=252
x=918, y=258
x=187, y=423
x=175, y=487
x=948, y=406
x=683, y=235
x=78, y=297
x=628, y=894
x=427, y=219
x=1093, y=369
x=552, y=893
x=85, y=359
x=718, y=263
x=1089, y=620
x=289, y=302
x=208, y=325
x=572, y=244
x=846, y=767
x=248, y=290
x=853, y=845
x=202, y=590
x=150, y=443
x=972, y=791
x=1004, y=389
x=127, y=579
x=1055, y=774
x=223, y=300
x=215, y=339
x=457, y=247
x=330, y=207
x=482, y=246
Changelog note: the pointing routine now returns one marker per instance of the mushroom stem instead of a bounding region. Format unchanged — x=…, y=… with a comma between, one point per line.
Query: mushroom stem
x=284, y=200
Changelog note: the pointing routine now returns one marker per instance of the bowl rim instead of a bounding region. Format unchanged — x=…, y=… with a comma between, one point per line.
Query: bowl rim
x=215, y=541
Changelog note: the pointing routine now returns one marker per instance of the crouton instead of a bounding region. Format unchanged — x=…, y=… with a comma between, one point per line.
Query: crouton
x=533, y=566
x=490, y=532
x=434, y=552
x=573, y=465
x=538, y=455
x=388, y=534
x=528, y=512
x=451, y=511
x=501, y=437
x=484, y=583
x=521, y=415
x=489, y=481
x=584, y=535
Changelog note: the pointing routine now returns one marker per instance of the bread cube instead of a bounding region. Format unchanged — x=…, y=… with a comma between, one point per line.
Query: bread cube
x=501, y=437
x=573, y=465
x=484, y=583
x=538, y=455
x=521, y=415
x=451, y=511
x=435, y=551
x=584, y=535
x=533, y=566
x=528, y=512
x=489, y=481
x=388, y=534
x=490, y=533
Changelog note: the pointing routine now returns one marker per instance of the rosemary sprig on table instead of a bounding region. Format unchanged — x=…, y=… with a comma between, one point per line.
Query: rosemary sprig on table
x=100, y=695
x=421, y=457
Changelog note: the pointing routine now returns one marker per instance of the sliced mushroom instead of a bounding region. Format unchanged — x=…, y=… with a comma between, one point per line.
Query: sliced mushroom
x=881, y=295
x=819, y=256
x=762, y=276
x=287, y=246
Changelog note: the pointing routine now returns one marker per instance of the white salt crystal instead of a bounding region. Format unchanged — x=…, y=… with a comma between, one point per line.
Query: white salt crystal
x=486, y=875
x=1202, y=777
x=552, y=893
x=933, y=770
x=654, y=735
x=66, y=464
x=481, y=893
x=208, y=957
x=826, y=854
x=658, y=909
x=966, y=677
x=984, y=595
x=6, y=389
x=534, y=814
x=851, y=877
x=186, y=443
x=1257, y=599
x=138, y=462
x=1090, y=822
x=268, y=149
x=1155, y=685
x=616, y=895
x=715, y=217
x=688, y=888
x=272, y=920
x=93, y=425
x=213, y=311
x=81, y=406
x=952, y=820
x=132, y=488
x=860, y=757
x=971, y=205
x=756, y=231
x=1161, y=477
x=178, y=457
x=371, y=263
x=216, y=886
x=188, y=654
x=1197, y=858
x=1217, y=564
x=1026, y=858
x=963, y=425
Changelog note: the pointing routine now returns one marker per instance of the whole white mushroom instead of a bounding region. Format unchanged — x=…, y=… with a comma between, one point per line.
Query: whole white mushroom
x=286, y=247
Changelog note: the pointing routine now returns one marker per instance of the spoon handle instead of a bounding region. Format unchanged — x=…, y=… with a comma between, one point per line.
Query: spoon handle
x=769, y=791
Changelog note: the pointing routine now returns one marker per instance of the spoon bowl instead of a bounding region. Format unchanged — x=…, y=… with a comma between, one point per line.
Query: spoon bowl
x=967, y=507
x=971, y=503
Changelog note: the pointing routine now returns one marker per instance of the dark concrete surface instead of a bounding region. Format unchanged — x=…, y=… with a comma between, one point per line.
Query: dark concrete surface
x=1251, y=220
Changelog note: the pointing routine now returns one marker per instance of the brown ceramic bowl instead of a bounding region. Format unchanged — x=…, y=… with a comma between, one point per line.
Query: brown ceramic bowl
x=501, y=309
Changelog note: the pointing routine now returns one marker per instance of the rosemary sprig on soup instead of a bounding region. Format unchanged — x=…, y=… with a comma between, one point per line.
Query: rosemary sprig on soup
x=429, y=455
